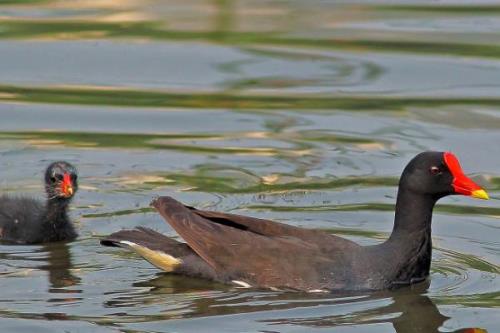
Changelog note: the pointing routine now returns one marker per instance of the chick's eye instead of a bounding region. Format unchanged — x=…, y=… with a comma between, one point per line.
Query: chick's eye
x=56, y=177
x=435, y=170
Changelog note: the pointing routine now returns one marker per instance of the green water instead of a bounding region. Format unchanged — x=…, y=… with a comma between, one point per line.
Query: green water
x=304, y=112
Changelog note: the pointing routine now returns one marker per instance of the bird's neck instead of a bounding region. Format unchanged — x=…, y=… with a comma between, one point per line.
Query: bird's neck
x=56, y=212
x=413, y=213
x=57, y=225
x=410, y=242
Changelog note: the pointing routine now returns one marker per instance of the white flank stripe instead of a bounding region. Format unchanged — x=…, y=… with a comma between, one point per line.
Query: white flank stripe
x=241, y=284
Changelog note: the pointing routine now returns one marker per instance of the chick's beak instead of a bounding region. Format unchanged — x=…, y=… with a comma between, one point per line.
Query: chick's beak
x=461, y=183
x=67, y=186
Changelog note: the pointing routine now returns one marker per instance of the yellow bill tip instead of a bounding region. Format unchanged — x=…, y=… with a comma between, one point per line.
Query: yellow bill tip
x=480, y=194
x=474, y=330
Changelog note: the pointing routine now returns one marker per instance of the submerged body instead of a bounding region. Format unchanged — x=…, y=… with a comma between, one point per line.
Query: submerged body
x=253, y=252
x=29, y=221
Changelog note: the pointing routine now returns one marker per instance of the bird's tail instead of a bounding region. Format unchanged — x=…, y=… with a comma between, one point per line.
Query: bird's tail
x=161, y=251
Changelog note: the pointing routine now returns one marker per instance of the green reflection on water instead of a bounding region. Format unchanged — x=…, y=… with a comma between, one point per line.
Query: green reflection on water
x=324, y=137
x=356, y=232
x=144, y=98
x=471, y=261
x=80, y=28
x=183, y=142
x=199, y=182
x=483, y=300
x=22, y=2
x=153, y=30
x=130, y=141
x=120, y=213
x=449, y=209
x=443, y=9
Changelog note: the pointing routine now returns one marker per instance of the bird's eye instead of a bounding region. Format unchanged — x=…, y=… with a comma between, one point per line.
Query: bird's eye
x=56, y=177
x=435, y=170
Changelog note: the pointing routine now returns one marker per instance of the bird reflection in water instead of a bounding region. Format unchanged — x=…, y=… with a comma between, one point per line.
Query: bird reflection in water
x=58, y=267
x=409, y=310
x=53, y=258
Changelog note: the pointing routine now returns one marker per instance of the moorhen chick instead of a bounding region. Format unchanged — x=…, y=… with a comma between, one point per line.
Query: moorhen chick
x=251, y=252
x=28, y=221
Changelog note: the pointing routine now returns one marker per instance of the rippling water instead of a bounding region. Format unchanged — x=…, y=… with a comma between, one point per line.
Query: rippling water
x=299, y=111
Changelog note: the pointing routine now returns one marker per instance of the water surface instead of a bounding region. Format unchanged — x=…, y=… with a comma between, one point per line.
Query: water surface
x=303, y=112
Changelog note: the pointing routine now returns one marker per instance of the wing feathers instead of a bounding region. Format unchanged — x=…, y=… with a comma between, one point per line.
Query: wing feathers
x=242, y=254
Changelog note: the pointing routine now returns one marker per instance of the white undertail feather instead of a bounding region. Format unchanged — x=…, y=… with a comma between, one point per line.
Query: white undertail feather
x=159, y=259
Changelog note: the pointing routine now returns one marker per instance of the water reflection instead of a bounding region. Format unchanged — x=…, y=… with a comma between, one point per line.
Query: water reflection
x=149, y=98
x=407, y=310
x=58, y=267
x=54, y=259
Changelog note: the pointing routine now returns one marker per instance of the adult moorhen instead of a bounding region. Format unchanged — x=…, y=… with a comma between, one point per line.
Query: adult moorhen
x=28, y=221
x=253, y=252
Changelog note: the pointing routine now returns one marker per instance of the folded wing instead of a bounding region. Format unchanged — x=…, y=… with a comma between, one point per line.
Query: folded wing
x=255, y=251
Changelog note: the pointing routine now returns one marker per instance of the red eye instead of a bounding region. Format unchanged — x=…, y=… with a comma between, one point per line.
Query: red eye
x=435, y=170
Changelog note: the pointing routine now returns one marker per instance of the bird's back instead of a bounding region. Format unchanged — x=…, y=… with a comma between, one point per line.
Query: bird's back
x=20, y=219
